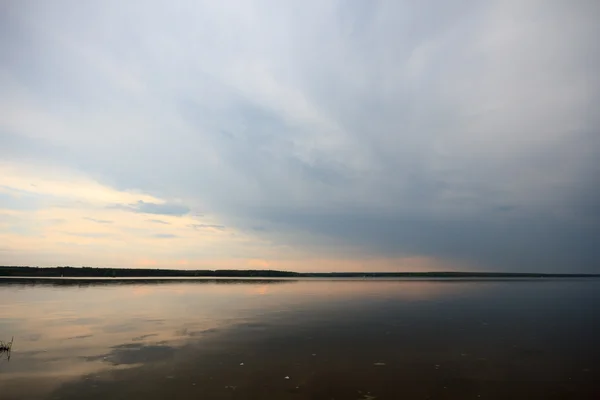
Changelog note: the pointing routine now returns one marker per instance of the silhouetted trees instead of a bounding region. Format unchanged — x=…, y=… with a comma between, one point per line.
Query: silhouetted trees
x=88, y=272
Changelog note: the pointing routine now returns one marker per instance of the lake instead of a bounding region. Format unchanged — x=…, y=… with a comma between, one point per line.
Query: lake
x=300, y=339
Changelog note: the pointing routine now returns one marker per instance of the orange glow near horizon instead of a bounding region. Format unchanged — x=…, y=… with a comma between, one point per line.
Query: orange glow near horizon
x=84, y=227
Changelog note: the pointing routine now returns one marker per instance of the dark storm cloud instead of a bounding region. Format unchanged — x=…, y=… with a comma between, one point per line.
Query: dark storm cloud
x=486, y=242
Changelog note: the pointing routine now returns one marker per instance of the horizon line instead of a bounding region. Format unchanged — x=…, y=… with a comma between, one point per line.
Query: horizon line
x=190, y=272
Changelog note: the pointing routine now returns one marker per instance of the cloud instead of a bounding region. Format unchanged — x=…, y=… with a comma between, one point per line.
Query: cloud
x=158, y=221
x=479, y=243
x=155, y=208
x=13, y=201
x=98, y=221
x=206, y=226
x=93, y=235
x=164, y=236
x=469, y=138
x=51, y=183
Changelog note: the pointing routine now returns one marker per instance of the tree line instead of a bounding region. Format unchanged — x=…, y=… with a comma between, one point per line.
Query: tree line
x=92, y=272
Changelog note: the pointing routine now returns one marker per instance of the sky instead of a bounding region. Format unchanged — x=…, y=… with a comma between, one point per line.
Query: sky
x=301, y=135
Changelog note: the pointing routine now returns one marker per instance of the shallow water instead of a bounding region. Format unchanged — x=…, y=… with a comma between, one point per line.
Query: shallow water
x=300, y=339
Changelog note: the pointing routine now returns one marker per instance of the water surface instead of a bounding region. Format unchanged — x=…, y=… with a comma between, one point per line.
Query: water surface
x=300, y=339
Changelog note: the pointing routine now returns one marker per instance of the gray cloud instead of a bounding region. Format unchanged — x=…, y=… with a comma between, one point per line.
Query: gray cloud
x=20, y=201
x=93, y=235
x=464, y=130
x=164, y=236
x=143, y=207
x=479, y=243
x=204, y=226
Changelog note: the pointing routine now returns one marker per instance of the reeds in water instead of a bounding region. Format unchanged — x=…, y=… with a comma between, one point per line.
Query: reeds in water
x=6, y=346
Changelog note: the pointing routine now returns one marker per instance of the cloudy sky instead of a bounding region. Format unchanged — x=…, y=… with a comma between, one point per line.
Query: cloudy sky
x=301, y=135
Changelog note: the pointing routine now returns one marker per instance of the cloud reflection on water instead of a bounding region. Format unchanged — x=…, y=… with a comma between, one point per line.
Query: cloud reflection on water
x=67, y=330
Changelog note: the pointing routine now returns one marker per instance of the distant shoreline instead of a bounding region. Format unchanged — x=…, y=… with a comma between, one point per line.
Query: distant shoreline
x=88, y=272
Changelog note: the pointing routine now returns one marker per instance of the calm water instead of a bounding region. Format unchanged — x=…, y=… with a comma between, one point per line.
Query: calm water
x=307, y=339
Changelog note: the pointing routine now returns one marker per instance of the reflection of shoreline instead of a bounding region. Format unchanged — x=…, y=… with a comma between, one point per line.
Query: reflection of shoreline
x=95, y=281
x=145, y=273
x=85, y=282
x=157, y=332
